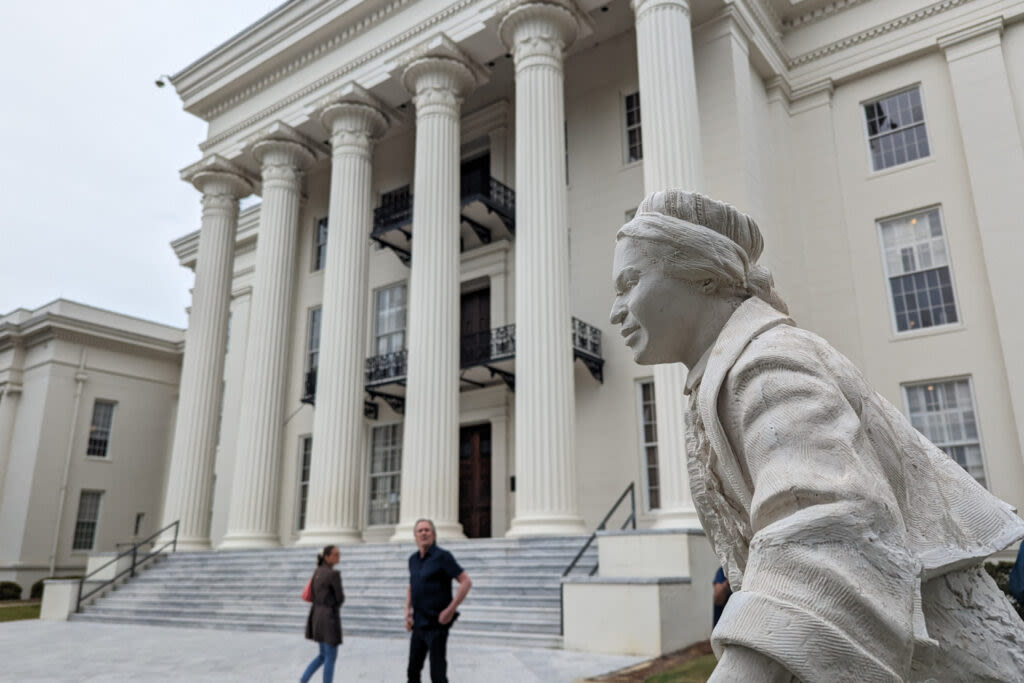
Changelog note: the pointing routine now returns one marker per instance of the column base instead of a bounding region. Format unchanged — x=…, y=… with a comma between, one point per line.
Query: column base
x=679, y=518
x=446, y=531
x=188, y=545
x=249, y=542
x=324, y=537
x=546, y=526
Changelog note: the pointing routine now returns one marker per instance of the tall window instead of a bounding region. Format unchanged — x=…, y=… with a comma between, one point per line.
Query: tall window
x=87, y=520
x=896, y=130
x=385, y=474
x=389, y=328
x=634, y=138
x=944, y=412
x=99, y=430
x=320, y=244
x=305, y=453
x=313, y=340
x=649, y=444
x=917, y=265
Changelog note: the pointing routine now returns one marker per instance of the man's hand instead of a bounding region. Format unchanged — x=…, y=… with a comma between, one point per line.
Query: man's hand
x=408, y=620
x=447, y=614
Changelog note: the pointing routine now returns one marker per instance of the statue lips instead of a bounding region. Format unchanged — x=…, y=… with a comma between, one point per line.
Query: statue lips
x=630, y=334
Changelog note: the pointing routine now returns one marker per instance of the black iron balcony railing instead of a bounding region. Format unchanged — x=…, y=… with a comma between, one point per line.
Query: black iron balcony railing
x=388, y=368
x=488, y=346
x=394, y=212
x=478, y=186
x=586, y=345
x=309, y=392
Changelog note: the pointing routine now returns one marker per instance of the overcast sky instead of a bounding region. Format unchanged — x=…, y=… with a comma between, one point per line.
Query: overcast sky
x=90, y=149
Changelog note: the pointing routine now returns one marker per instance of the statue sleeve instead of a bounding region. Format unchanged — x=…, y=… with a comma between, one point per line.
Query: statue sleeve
x=828, y=590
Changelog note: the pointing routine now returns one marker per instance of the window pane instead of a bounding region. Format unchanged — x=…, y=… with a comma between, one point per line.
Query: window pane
x=649, y=443
x=896, y=129
x=385, y=474
x=99, y=429
x=944, y=413
x=305, y=455
x=86, y=521
x=917, y=263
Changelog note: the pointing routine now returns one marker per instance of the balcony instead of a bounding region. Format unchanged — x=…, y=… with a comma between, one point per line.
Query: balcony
x=487, y=212
x=485, y=359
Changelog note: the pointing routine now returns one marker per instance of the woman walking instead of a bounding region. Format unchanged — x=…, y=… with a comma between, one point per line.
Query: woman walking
x=324, y=622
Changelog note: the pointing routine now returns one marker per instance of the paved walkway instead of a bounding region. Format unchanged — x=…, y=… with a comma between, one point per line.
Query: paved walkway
x=82, y=651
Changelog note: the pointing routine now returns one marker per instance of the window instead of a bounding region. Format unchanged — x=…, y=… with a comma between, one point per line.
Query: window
x=944, y=413
x=88, y=518
x=385, y=474
x=313, y=340
x=634, y=138
x=917, y=265
x=305, y=453
x=320, y=244
x=896, y=130
x=649, y=444
x=99, y=430
x=389, y=328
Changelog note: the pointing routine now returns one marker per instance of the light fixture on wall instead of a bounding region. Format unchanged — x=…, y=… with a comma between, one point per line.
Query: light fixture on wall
x=162, y=80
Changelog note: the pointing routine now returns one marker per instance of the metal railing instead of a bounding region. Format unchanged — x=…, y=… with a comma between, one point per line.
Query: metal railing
x=487, y=346
x=630, y=520
x=136, y=563
x=386, y=368
x=586, y=338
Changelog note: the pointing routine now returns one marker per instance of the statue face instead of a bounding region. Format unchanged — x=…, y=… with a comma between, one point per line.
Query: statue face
x=658, y=314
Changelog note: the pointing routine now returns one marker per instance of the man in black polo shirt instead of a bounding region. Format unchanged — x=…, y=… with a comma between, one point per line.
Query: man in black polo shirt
x=429, y=606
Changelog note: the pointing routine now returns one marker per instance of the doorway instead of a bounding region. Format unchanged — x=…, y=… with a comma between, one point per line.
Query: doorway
x=475, y=480
x=475, y=327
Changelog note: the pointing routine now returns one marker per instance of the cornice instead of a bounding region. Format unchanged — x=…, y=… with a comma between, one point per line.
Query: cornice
x=874, y=32
x=49, y=325
x=483, y=121
x=316, y=52
x=340, y=73
x=949, y=40
x=819, y=14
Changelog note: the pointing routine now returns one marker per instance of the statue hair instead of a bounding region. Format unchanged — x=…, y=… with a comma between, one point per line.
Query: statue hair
x=695, y=239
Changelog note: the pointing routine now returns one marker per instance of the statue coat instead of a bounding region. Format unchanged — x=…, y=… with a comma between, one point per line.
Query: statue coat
x=854, y=544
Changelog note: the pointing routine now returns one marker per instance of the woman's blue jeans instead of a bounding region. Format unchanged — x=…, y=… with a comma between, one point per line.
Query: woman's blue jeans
x=328, y=653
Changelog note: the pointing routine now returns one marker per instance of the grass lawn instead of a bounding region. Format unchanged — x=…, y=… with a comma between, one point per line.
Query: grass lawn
x=694, y=671
x=18, y=612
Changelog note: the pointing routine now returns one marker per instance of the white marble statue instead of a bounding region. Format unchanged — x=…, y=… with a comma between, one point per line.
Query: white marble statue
x=854, y=544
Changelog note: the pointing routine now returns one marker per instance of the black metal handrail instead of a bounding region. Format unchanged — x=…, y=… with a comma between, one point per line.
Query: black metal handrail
x=586, y=338
x=136, y=562
x=387, y=367
x=394, y=211
x=631, y=492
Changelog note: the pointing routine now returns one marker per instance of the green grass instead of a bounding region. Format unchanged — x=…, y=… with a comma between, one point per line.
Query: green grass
x=694, y=671
x=18, y=612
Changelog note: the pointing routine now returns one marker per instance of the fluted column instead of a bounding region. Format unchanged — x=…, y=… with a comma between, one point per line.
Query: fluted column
x=9, y=398
x=546, y=501
x=335, y=483
x=252, y=515
x=672, y=159
x=190, y=479
x=430, y=448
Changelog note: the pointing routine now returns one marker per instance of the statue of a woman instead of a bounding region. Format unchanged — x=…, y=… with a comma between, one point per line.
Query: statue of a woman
x=854, y=544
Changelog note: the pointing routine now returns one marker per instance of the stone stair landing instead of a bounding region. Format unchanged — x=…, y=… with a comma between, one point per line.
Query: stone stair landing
x=515, y=597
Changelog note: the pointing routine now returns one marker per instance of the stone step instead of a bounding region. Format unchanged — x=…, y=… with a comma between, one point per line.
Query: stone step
x=370, y=597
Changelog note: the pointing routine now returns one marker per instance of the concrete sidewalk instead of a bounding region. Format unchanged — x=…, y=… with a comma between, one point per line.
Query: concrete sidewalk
x=82, y=651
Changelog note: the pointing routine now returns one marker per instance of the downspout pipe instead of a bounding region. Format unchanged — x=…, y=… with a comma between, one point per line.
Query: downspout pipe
x=80, y=378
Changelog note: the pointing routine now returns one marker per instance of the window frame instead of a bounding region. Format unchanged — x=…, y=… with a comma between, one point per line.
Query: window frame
x=894, y=325
x=644, y=445
x=302, y=496
x=867, y=133
x=318, y=259
x=95, y=522
x=400, y=441
x=375, y=327
x=309, y=352
x=904, y=390
x=105, y=456
x=626, y=128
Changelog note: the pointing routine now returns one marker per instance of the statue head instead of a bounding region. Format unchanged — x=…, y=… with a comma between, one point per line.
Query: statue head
x=682, y=265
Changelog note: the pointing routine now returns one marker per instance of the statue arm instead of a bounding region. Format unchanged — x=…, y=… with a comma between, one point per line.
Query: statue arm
x=829, y=584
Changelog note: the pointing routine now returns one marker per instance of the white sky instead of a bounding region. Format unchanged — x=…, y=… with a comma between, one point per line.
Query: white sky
x=90, y=149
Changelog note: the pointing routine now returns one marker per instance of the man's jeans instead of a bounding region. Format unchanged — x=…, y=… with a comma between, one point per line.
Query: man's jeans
x=328, y=653
x=432, y=639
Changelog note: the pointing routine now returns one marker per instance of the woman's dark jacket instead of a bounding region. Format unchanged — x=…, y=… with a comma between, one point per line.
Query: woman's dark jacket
x=324, y=622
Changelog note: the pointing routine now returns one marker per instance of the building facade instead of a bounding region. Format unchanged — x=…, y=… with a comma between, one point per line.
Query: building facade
x=87, y=404
x=409, y=322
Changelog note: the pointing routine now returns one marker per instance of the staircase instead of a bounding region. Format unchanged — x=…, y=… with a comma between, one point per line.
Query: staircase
x=515, y=597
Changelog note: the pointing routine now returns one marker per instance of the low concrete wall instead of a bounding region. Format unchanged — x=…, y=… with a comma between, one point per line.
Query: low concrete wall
x=652, y=595
x=59, y=598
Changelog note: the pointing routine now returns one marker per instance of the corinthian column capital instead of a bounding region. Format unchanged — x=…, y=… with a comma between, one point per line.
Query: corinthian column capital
x=538, y=31
x=354, y=118
x=218, y=178
x=641, y=7
x=438, y=74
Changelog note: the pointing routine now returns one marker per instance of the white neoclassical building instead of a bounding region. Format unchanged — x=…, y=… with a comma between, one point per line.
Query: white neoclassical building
x=409, y=324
